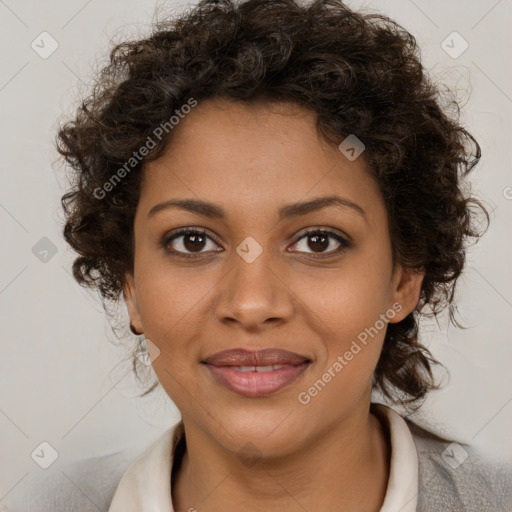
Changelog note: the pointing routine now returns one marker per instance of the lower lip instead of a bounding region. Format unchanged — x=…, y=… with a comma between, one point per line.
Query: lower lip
x=254, y=384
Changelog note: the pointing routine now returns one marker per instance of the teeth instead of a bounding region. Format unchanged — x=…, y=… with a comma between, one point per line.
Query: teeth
x=245, y=368
x=264, y=368
x=268, y=368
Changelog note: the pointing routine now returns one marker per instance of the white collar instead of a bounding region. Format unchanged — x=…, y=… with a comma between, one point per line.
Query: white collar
x=146, y=484
x=402, y=490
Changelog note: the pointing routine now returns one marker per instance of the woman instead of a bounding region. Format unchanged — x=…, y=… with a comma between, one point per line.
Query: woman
x=275, y=192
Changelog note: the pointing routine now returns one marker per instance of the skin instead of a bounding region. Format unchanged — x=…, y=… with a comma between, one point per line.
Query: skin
x=332, y=453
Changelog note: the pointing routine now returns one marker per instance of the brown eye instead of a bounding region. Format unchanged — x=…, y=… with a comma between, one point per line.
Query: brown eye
x=319, y=241
x=188, y=242
x=194, y=242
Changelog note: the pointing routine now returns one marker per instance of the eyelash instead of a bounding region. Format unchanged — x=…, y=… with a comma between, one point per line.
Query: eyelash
x=167, y=239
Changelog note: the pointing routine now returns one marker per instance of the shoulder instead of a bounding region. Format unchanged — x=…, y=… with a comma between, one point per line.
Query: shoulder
x=82, y=486
x=452, y=476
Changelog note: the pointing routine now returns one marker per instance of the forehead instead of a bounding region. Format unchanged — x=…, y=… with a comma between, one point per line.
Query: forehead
x=254, y=155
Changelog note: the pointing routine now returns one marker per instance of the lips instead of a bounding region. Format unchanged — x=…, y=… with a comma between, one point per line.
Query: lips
x=255, y=374
x=267, y=357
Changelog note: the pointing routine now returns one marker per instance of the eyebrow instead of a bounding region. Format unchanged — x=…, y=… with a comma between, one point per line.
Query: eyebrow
x=285, y=212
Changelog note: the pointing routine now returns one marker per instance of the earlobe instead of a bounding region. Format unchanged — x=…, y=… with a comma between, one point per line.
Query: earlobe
x=407, y=291
x=130, y=298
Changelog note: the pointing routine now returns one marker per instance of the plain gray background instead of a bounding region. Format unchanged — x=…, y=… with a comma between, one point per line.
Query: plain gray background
x=60, y=381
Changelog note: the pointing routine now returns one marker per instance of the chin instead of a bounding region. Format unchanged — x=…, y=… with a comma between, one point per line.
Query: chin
x=272, y=433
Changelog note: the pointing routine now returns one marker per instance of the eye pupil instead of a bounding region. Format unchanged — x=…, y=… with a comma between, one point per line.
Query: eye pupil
x=193, y=241
x=322, y=245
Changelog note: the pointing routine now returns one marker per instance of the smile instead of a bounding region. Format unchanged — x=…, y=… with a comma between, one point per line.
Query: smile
x=257, y=381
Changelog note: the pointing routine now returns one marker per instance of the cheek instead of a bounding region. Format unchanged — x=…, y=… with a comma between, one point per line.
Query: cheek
x=174, y=308
x=349, y=300
x=351, y=308
x=169, y=296
x=352, y=339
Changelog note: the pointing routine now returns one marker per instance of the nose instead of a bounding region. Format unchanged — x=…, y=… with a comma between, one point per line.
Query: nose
x=254, y=294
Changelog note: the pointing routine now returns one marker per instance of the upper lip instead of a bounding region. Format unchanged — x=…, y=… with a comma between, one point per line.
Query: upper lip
x=266, y=357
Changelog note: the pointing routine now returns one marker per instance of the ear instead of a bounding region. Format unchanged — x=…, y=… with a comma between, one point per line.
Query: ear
x=130, y=298
x=406, y=291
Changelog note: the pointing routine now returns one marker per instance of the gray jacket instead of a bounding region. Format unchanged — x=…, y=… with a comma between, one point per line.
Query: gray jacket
x=450, y=480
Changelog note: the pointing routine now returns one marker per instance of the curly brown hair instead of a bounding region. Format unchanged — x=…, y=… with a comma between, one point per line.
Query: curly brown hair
x=361, y=73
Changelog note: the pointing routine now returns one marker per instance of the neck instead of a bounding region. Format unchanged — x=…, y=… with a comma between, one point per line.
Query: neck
x=345, y=469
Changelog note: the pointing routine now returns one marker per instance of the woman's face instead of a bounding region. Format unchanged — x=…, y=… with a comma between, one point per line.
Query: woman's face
x=255, y=279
